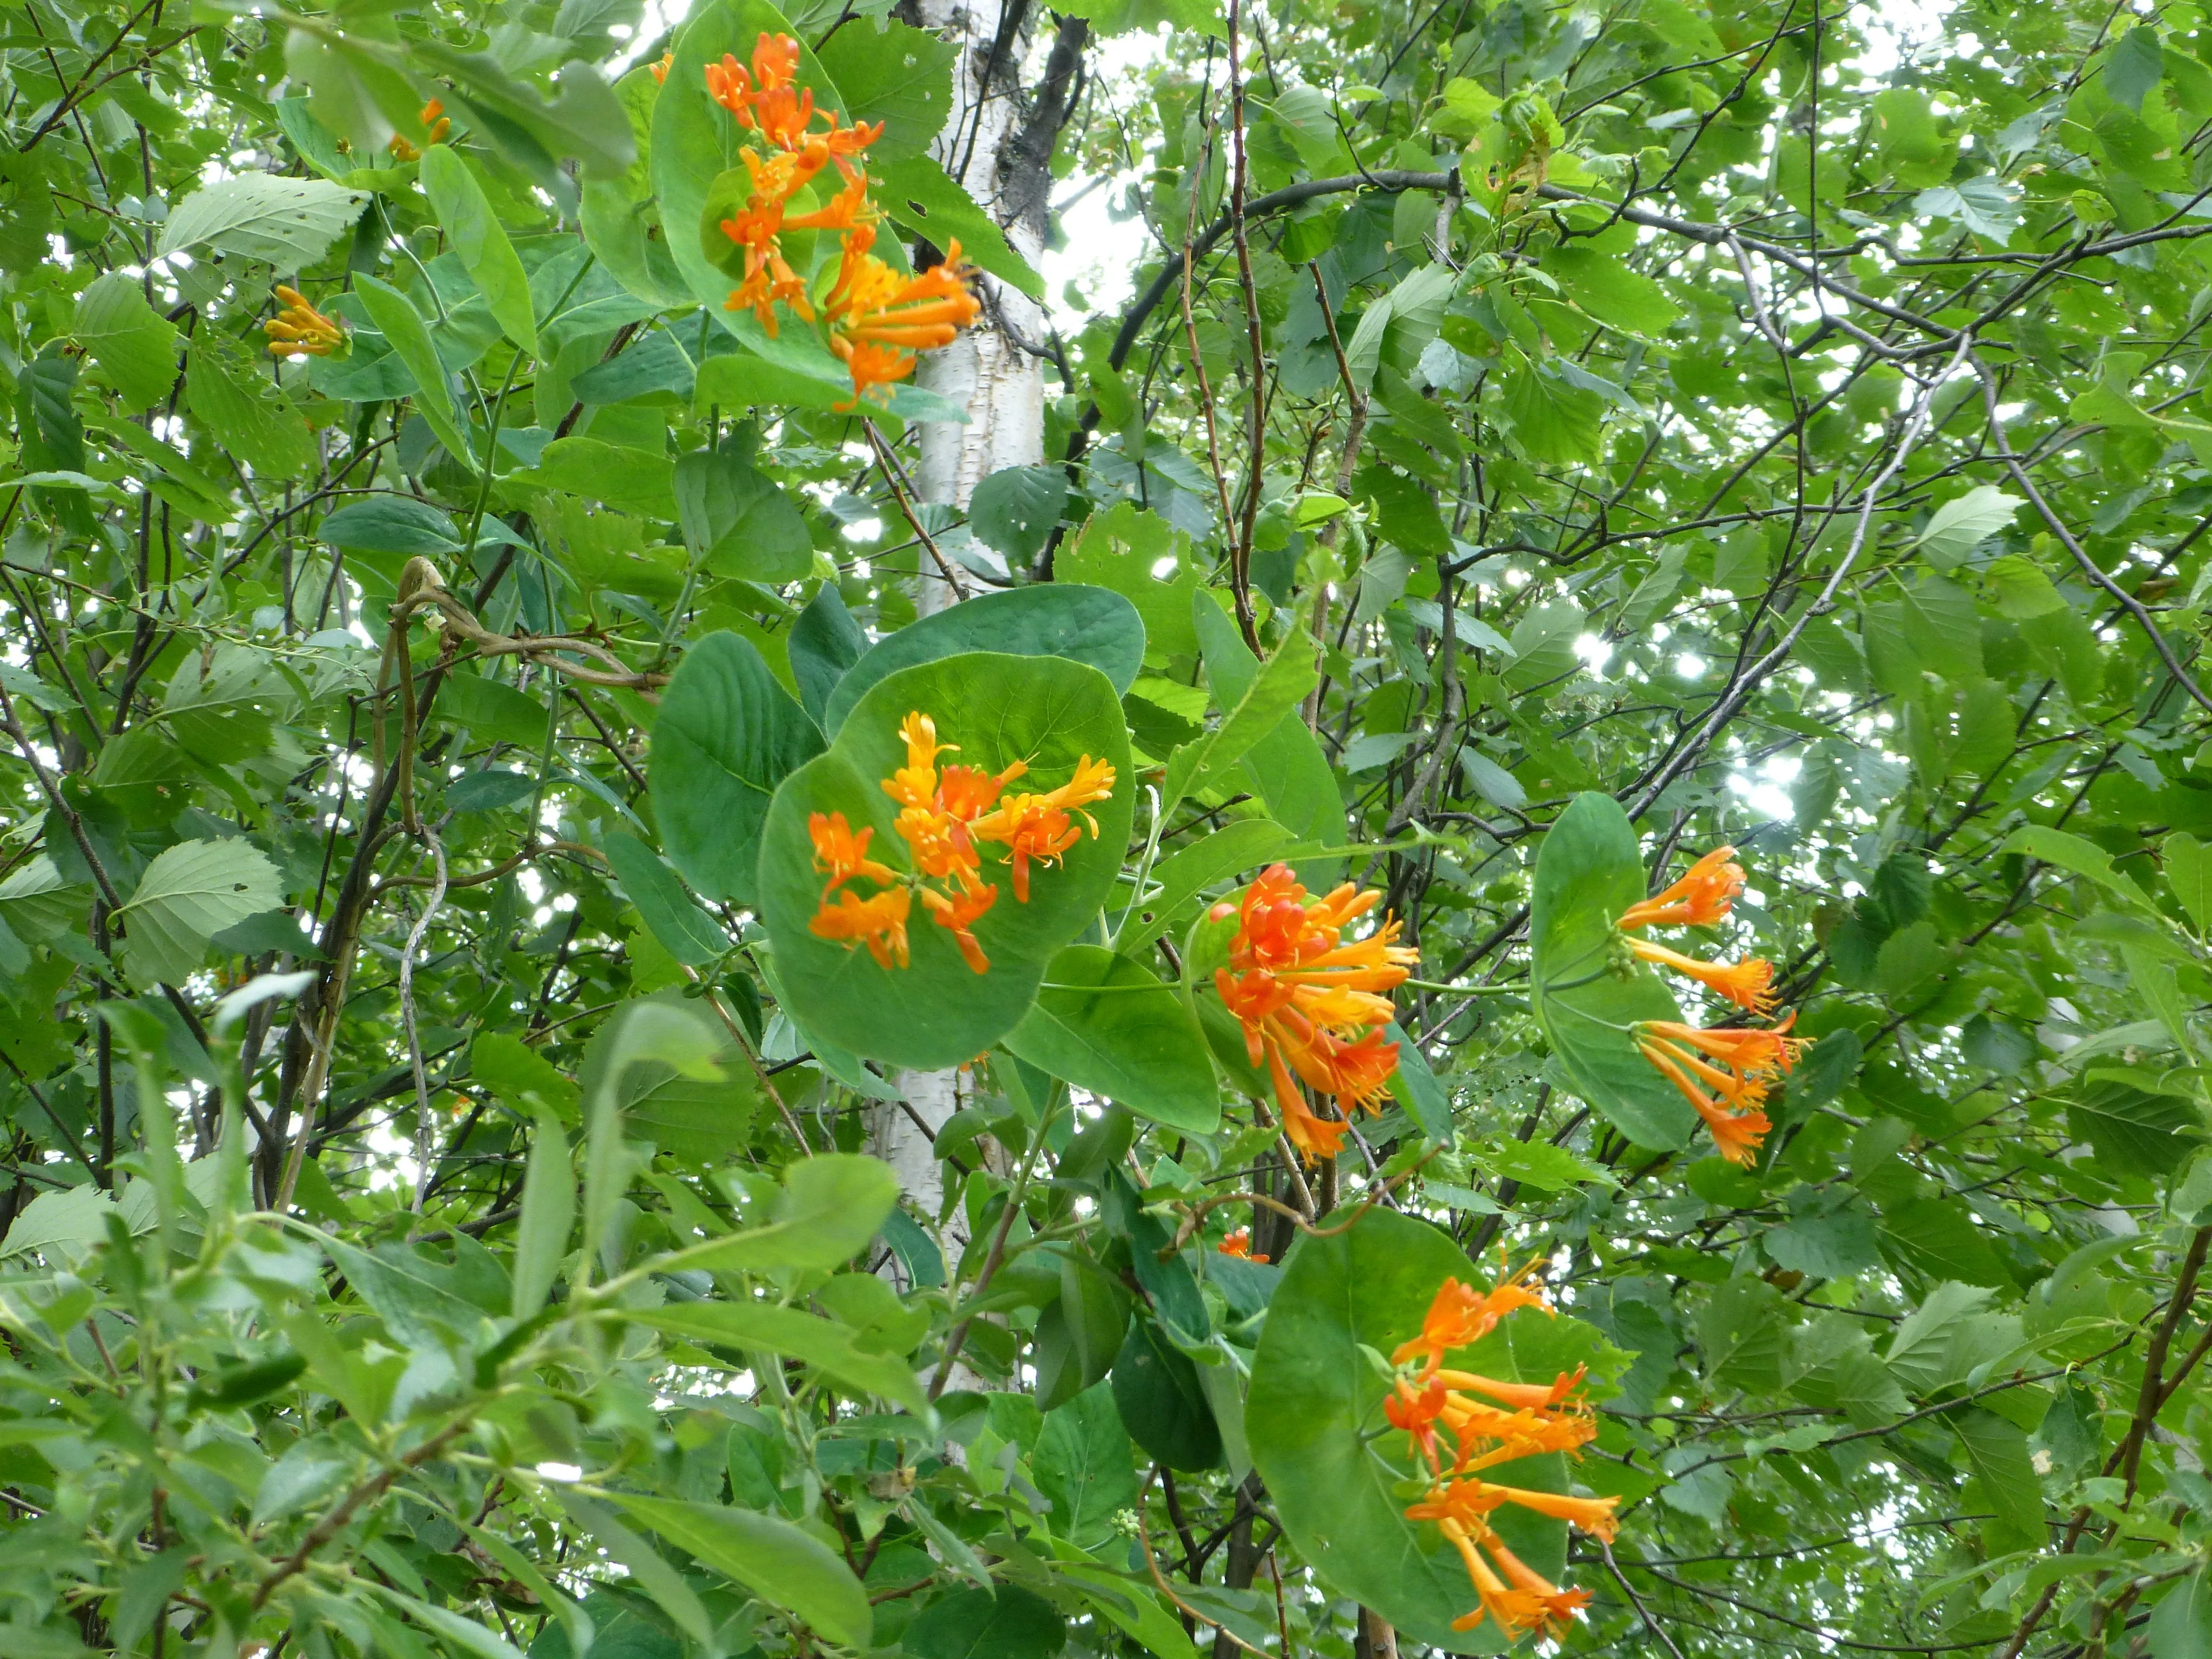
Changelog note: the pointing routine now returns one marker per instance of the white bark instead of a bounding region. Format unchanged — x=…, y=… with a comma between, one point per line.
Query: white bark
x=1001, y=387
x=985, y=371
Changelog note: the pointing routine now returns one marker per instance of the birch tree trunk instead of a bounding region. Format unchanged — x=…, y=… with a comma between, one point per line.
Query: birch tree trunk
x=998, y=142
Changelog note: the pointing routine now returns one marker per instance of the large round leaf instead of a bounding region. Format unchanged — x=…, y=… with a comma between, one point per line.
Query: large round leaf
x=725, y=736
x=1588, y=873
x=1087, y=624
x=1045, y=711
x=1318, y=1437
x=1106, y=1024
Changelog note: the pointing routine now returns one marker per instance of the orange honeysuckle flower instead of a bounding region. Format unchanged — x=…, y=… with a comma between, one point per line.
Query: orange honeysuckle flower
x=1702, y=896
x=299, y=330
x=1032, y=826
x=878, y=923
x=1752, y=1051
x=915, y=784
x=436, y=122
x=1459, y=1316
x=958, y=914
x=1734, y=1110
x=844, y=854
x=1556, y=1607
x=1471, y=1502
x=659, y=70
x=1309, y=1000
x=1239, y=1244
x=402, y=151
x=1532, y=1418
x=1748, y=984
x=870, y=306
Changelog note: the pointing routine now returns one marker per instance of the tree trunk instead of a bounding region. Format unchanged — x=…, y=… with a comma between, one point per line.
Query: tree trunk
x=998, y=142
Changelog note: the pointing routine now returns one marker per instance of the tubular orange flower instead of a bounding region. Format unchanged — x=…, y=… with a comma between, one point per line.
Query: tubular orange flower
x=1702, y=896
x=1747, y=984
x=1239, y=1244
x=301, y=331
x=1738, y=1124
x=879, y=318
x=660, y=69
x=878, y=923
x=1460, y=1316
x=958, y=914
x=1428, y=1402
x=1753, y=1051
x=843, y=853
x=1037, y=826
x=436, y=122
x=1309, y=1001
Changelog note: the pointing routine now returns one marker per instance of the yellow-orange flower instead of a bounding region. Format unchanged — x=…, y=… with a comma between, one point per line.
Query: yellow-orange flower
x=1038, y=827
x=1748, y=984
x=1239, y=1244
x=878, y=923
x=1460, y=1316
x=1309, y=1001
x=1734, y=1110
x=959, y=912
x=660, y=69
x=1702, y=896
x=879, y=318
x=843, y=854
x=301, y=331
x=1532, y=1417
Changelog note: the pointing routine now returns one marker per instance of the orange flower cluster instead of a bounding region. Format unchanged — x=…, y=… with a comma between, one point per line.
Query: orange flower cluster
x=943, y=814
x=1509, y=1420
x=1309, y=1001
x=876, y=318
x=1684, y=1054
x=301, y=331
x=435, y=123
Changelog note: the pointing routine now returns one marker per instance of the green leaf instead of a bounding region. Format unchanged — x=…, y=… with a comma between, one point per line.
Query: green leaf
x=189, y=893
x=1589, y=872
x=1314, y=1400
x=1045, y=712
x=2134, y=1130
x=2072, y=853
x=388, y=522
x=897, y=75
x=1610, y=291
x=1157, y=1393
x=1086, y=1465
x=825, y=641
x=132, y=342
x=616, y=475
x=783, y=1566
x=1005, y=1623
x=1998, y=1453
x=668, y=1588
x=916, y=192
x=253, y=421
x=2189, y=873
x=1229, y=852
x=830, y=1348
x=2181, y=1624
x=288, y=223
x=1252, y=713
x=1104, y=1023
x=1285, y=767
x=685, y=932
x=1052, y=619
x=727, y=735
x=1958, y=527
x=474, y=232
x=548, y=1212
x=403, y=327
x=831, y=1206
x=2020, y=589
x=1014, y=510
x=738, y=522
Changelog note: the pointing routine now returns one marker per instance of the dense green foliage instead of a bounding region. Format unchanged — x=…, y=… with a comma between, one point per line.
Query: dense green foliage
x=442, y=1213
